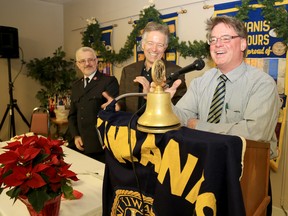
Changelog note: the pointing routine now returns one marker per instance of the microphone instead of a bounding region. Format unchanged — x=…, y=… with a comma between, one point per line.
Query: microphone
x=198, y=64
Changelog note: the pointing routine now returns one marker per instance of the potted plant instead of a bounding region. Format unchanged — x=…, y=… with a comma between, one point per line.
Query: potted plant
x=55, y=74
x=34, y=171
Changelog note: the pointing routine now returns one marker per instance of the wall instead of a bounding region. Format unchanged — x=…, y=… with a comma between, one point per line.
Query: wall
x=191, y=26
x=76, y=13
x=41, y=27
x=40, y=32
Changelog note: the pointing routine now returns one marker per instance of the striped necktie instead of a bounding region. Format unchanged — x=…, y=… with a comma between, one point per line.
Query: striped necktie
x=217, y=101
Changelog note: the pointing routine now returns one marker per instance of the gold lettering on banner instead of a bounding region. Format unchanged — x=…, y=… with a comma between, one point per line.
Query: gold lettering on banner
x=257, y=26
x=260, y=51
x=258, y=36
x=178, y=178
x=169, y=162
x=118, y=141
x=150, y=153
x=268, y=51
x=258, y=39
x=203, y=201
x=256, y=51
x=194, y=192
x=127, y=202
x=136, y=203
x=99, y=122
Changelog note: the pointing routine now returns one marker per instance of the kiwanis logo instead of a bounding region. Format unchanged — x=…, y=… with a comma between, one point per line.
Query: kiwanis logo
x=127, y=202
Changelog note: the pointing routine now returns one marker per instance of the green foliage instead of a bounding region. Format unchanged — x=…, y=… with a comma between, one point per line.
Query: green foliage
x=278, y=20
x=243, y=13
x=277, y=16
x=67, y=190
x=92, y=35
x=37, y=171
x=54, y=73
x=196, y=49
x=37, y=198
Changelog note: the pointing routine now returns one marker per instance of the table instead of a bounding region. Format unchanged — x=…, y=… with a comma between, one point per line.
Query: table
x=90, y=173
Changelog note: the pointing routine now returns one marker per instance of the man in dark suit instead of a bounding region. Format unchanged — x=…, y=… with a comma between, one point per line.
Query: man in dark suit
x=136, y=77
x=137, y=72
x=86, y=101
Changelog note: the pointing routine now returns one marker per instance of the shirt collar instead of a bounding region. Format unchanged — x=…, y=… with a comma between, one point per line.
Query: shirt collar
x=235, y=73
x=91, y=76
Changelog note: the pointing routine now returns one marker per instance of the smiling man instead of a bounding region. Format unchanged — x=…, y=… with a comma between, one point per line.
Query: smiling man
x=86, y=101
x=233, y=98
x=136, y=77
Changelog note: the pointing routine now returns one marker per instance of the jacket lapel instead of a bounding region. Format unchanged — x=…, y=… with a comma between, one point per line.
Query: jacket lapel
x=93, y=81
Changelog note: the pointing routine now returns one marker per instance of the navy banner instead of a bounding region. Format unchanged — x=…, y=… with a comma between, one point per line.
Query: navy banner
x=262, y=40
x=105, y=67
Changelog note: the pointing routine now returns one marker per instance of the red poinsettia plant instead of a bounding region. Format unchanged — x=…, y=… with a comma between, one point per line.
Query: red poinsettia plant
x=33, y=167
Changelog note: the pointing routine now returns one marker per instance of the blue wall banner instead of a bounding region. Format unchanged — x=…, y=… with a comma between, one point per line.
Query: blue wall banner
x=265, y=49
x=105, y=67
x=170, y=54
x=262, y=40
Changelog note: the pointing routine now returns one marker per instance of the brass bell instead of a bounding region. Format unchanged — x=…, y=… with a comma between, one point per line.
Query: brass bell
x=158, y=116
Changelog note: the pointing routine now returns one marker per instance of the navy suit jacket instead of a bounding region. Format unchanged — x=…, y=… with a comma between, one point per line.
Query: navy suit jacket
x=127, y=85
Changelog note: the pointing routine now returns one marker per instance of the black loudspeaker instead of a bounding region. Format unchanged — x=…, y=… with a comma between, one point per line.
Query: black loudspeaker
x=9, y=43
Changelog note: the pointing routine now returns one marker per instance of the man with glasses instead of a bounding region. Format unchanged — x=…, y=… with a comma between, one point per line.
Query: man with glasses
x=136, y=77
x=86, y=101
x=249, y=103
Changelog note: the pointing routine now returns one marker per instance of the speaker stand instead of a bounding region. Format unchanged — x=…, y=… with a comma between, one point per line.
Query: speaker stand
x=11, y=106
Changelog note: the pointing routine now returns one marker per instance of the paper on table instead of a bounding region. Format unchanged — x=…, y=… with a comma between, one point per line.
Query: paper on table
x=77, y=194
x=94, y=174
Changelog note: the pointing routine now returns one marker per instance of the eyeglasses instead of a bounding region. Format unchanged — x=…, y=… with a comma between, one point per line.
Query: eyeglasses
x=158, y=45
x=89, y=60
x=223, y=39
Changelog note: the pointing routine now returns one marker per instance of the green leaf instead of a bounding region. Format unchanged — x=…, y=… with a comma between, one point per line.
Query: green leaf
x=55, y=74
x=37, y=198
x=14, y=192
x=67, y=191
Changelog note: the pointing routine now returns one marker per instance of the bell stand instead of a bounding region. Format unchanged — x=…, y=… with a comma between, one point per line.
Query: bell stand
x=11, y=106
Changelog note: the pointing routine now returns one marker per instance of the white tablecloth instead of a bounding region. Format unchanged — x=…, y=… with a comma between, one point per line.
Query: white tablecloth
x=90, y=173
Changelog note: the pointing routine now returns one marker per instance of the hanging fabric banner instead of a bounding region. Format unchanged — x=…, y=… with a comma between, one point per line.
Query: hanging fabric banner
x=105, y=67
x=265, y=49
x=262, y=40
x=170, y=54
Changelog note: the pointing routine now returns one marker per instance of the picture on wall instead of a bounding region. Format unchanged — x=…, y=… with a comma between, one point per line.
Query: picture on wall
x=105, y=67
